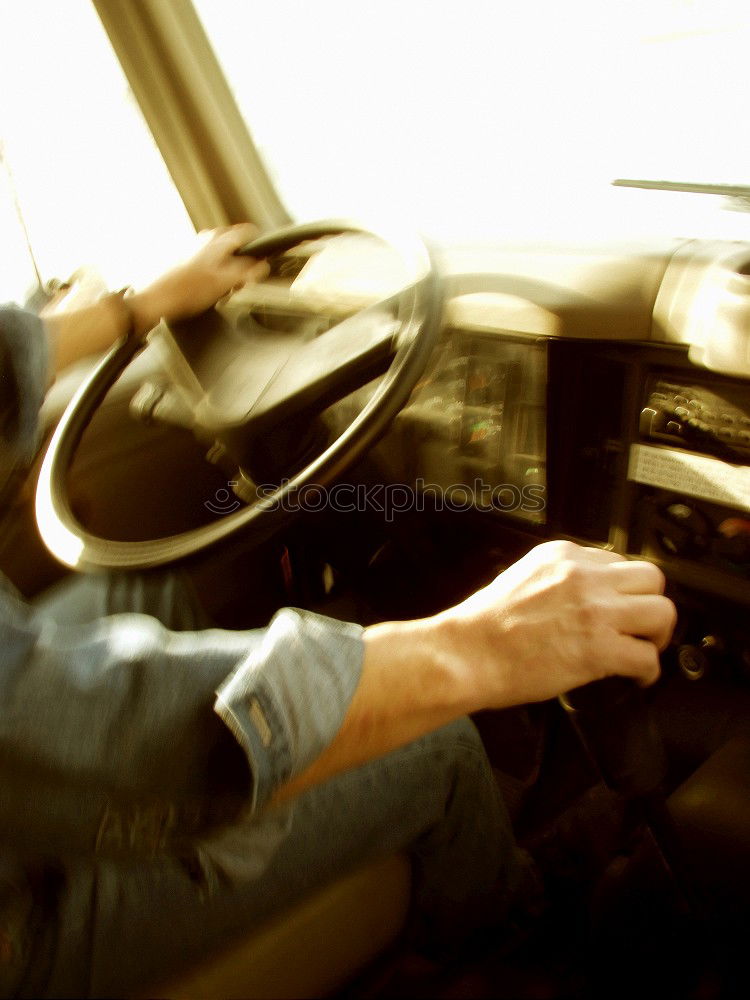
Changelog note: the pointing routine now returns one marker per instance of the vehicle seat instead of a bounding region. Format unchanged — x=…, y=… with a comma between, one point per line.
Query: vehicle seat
x=314, y=947
x=712, y=813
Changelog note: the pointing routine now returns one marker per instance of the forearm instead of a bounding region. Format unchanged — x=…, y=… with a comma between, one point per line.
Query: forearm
x=409, y=686
x=81, y=332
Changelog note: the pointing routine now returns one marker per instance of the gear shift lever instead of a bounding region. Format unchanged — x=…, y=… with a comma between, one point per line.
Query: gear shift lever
x=614, y=724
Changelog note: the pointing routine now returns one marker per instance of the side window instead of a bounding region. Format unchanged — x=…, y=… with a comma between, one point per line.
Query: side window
x=82, y=183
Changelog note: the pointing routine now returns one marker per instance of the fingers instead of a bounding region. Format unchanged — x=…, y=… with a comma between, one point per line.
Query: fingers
x=258, y=271
x=563, y=549
x=627, y=575
x=636, y=577
x=630, y=597
x=236, y=270
x=592, y=554
x=212, y=272
x=243, y=232
x=224, y=241
x=237, y=236
x=635, y=658
x=646, y=616
x=643, y=612
x=251, y=272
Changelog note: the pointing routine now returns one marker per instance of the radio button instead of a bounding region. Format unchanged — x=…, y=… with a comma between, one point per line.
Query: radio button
x=698, y=425
x=647, y=424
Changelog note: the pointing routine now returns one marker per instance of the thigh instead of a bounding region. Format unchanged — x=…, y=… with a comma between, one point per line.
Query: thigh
x=119, y=928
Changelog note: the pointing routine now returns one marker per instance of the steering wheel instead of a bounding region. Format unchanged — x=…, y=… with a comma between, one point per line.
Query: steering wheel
x=394, y=337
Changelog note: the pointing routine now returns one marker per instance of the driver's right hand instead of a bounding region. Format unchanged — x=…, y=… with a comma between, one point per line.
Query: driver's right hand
x=560, y=617
x=199, y=282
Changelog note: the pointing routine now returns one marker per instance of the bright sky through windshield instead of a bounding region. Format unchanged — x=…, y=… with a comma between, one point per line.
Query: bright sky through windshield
x=465, y=119
x=482, y=118
x=90, y=183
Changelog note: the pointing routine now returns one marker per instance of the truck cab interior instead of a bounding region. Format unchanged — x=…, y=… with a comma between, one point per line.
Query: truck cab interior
x=510, y=349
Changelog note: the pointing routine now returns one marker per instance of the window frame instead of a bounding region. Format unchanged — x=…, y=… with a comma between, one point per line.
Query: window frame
x=191, y=112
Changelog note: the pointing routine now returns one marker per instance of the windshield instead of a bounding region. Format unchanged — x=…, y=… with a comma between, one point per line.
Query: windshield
x=477, y=119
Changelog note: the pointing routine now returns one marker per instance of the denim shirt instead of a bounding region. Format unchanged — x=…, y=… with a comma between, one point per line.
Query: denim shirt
x=114, y=735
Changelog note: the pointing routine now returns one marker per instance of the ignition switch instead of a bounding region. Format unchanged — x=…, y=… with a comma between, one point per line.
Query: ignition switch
x=696, y=661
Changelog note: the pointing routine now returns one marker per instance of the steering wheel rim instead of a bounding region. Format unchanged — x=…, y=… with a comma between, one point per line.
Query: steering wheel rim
x=79, y=549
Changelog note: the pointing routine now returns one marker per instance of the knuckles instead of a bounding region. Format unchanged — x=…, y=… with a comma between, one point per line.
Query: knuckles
x=593, y=616
x=590, y=608
x=557, y=550
x=670, y=621
x=657, y=578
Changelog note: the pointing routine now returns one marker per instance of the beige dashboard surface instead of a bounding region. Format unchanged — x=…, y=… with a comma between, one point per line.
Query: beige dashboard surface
x=673, y=291
x=602, y=292
x=598, y=292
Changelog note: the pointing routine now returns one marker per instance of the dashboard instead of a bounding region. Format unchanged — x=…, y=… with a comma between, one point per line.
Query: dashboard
x=602, y=395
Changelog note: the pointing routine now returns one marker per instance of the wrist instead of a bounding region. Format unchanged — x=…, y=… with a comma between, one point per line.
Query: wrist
x=481, y=654
x=427, y=653
x=166, y=298
x=145, y=312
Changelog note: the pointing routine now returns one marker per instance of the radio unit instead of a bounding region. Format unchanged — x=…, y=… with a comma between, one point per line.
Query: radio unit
x=650, y=455
x=690, y=467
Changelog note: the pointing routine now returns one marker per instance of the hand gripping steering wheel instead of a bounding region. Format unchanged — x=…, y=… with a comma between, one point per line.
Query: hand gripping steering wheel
x=300, y=377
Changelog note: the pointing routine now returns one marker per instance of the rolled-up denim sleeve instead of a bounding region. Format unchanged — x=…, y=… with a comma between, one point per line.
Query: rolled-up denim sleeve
x=287, y=700
x=123, y=739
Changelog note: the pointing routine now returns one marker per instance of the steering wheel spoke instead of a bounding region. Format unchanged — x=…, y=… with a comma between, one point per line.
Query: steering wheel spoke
x=328, y=368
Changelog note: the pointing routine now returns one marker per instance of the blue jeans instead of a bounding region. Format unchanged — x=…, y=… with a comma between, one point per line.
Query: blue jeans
x=112, y=928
